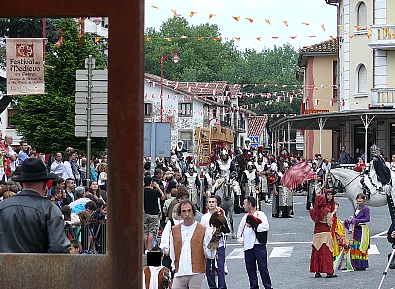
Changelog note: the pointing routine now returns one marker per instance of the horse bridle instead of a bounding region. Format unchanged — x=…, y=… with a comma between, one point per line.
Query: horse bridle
x=345, y=186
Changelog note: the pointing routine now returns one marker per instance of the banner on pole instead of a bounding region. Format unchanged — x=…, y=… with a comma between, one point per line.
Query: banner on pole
x=25, y=70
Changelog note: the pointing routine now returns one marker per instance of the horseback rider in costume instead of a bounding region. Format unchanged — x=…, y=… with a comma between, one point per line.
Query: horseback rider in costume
x=379, y=174
x=192, y=183
x=250, y=183
x=262, y=171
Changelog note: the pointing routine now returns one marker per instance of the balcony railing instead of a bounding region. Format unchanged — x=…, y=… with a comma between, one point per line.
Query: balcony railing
x=383, y=97
x=383, y=37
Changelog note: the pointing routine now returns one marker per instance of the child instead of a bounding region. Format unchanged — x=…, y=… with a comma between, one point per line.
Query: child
x=75, y=247
x=156, y=277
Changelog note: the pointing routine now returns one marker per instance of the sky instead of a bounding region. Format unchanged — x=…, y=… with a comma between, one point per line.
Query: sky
x=296, y=13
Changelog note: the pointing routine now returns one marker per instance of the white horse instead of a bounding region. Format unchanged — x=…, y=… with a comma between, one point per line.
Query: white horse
x=351, y=180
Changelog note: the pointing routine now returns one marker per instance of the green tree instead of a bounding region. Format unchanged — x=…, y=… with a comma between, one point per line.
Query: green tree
x=200, y=60
x=47, y=121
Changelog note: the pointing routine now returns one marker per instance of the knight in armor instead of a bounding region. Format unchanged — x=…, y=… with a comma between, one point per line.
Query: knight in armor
x=262, y=170
x=192, y=183
x=250, y=183
x=282, y=204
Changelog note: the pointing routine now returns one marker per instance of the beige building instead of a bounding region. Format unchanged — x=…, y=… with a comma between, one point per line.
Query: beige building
x=317, y=69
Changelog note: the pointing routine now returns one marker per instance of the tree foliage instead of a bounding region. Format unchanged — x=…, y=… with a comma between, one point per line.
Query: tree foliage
x=47, y=121
x=206, y=60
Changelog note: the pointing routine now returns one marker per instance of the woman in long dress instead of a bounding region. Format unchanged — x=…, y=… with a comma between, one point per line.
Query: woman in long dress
x=360, y=238
x=321, y=255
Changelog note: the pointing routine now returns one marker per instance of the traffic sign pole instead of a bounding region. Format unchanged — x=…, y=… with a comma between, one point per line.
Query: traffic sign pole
x=89, y=64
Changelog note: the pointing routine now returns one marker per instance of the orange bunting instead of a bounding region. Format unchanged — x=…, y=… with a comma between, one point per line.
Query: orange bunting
x=285, y=23
x=369, y=36
x=155, y=7
x=268, y=21
x=237, y=18
x=250, y=19
x=306, y=23
x=200, y=38
x=333, y=37
x=342, y=28
x=211, y=16
x=183, y=37
x=216, y=38
x=237, y=38
x=392, y=35
x=323, y=27
x=192, y=13
x=148, y=38
x=370, y=30
x=351, y=36
x=312, y=36
x=168, y=38
x=259, y=38
x=275, y=37
x=358, y=27
x=293, y=37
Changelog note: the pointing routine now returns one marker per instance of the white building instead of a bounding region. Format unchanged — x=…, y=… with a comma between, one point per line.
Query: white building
x=187, y=105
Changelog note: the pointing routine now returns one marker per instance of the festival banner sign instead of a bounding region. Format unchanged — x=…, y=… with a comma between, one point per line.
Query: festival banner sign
x=25, y=70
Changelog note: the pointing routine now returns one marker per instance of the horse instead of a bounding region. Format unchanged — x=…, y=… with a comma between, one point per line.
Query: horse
x=350, y=180
x=226, y=188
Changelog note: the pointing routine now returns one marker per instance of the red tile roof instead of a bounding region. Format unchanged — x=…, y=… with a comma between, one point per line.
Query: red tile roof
x=330, y=45
x=256, y=125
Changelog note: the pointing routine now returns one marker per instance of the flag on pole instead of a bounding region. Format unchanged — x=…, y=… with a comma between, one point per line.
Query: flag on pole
x=297, y=175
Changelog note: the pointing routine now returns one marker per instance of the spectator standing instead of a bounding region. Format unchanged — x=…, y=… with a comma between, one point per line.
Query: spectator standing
x=57, y=167
x=30, y=223
x=254, y=224
x=151, y=210
x=67, y=166
x=11, y=155
x=69, y=187
x=22, y=152
x=344, y=157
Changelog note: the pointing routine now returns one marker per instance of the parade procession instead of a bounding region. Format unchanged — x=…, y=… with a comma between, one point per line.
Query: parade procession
x=197, y=144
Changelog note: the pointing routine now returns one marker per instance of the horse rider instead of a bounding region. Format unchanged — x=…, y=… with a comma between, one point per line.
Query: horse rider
x=192, y=183
x=263, y=171
x=250, y=183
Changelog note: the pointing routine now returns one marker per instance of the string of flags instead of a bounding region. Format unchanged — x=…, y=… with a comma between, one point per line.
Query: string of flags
x=238, y=18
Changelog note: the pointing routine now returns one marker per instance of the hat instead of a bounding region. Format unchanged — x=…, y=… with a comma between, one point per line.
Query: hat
x=34, y=170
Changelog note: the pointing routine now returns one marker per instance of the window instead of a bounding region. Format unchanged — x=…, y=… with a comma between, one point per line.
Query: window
x=361, y=15
x=147, y=109
x=185, y=109
x=10, y=123
x=187, y=137
x=362, y=79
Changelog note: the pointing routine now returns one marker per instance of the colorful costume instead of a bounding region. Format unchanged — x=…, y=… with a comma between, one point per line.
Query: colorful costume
x=360, y=239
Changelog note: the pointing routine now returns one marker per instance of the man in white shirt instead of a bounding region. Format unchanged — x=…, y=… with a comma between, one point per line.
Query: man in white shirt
x=212, y=205
x=10, y=152
x=253, y=226
x=58, y=168
x=189, y=258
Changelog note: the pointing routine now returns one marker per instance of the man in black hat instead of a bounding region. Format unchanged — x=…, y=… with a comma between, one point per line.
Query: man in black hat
x=30, y=223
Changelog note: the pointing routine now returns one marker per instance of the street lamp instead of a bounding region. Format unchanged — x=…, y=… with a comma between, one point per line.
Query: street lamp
x=162, y=60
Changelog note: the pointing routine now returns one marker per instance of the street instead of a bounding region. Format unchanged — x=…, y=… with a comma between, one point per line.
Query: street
x=289, y=249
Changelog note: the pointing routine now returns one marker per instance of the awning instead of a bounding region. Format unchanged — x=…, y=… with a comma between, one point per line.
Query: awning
x=333, y=120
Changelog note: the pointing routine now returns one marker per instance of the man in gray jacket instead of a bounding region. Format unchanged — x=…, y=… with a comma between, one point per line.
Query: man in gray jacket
x=30, y=223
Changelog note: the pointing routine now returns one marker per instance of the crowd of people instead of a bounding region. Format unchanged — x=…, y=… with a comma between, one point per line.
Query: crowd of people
x=81, y=208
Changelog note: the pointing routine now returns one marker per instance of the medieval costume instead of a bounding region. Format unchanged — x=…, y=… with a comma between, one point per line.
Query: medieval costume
x=321, y=260
x=192, y=183
x=263, y=171
x=250, y=183
x=360, y=237
x=282, y=203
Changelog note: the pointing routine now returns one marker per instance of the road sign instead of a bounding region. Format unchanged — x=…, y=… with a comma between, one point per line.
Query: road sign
x=254, y=141
x=91, y=91
x=157, y=134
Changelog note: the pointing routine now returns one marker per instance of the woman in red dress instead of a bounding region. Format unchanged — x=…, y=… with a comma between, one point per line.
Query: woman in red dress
x=321, y=255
